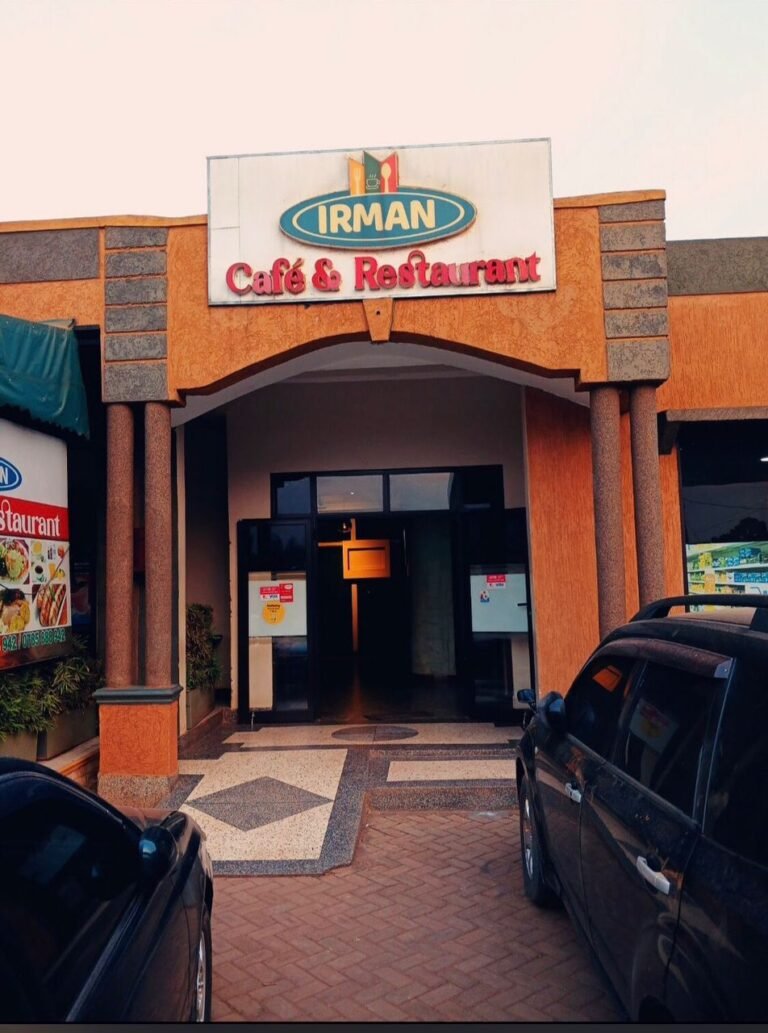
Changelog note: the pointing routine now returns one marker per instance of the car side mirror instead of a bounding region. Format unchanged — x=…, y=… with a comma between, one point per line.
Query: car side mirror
x=552, y=708
x=528, y=697
x=157, y=853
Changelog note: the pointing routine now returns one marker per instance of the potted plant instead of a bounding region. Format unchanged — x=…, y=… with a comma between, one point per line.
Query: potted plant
x=202, y=665
x=27, y=705
x=73, y=680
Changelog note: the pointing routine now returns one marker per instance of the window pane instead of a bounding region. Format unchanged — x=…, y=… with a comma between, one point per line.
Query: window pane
x=350, y=493
x=737, y=809
x=593, y=706
x=67, y=877
x=292, y=496
x=661, y=742
x=416, y=491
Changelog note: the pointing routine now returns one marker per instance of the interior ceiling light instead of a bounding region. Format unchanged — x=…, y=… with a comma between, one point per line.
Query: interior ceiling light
x=764, y=459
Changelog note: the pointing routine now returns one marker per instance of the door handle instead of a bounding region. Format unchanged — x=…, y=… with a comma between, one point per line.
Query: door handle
x=657, y=879
x=572, y=792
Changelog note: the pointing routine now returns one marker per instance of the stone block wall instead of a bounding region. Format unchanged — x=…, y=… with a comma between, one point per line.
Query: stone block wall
x=135, y=315
x=634, y=272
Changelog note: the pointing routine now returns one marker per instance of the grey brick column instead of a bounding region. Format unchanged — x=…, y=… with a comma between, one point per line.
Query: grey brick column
x=634, y=268
x=605, y=426
x=647, y=491
x=135, y=349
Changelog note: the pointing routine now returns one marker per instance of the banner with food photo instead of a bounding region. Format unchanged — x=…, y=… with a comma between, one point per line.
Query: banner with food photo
x=35, y=602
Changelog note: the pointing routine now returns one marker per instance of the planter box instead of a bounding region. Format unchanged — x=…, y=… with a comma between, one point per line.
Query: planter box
x=69, y=730
x=22, y=745
x=200, y=702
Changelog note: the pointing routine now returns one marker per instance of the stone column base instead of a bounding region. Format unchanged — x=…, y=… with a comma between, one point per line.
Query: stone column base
x=135, y=790
x=139, y=743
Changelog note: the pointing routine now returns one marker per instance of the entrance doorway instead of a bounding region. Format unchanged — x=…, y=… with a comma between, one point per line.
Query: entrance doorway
x=387, y=644
x=384, y=596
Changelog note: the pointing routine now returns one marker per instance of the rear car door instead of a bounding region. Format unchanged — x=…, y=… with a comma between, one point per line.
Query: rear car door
x=566, y=764
x=640, y=824
x=718, y=965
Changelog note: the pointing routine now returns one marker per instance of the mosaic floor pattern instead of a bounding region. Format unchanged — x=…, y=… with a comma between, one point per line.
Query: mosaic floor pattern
x=289, y=800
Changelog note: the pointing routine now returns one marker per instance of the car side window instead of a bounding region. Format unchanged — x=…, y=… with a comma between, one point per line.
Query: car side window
x=662, y=735
x=594, y=704
x=737, y=807
x=67, y=875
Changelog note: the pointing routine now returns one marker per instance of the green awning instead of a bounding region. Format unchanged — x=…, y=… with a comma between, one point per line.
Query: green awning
x=40, y=373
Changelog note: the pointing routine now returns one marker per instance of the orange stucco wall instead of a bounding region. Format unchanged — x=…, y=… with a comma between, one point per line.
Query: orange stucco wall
x=561, y=537
x=81, y=300
x=558, y=331
x=717, y=345
x=138, y=739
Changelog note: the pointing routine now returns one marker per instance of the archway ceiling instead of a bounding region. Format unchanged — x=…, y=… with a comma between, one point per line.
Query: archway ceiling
x=361, y=360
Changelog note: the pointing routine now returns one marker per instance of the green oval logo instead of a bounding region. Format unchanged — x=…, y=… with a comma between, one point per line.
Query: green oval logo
x=367, y=221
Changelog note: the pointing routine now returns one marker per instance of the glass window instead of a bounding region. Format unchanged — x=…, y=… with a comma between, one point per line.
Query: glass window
x=292, y=496
x=350, y=493
x=418, y=491
x=661, y=740
x=737, y=808
x=593, y=705
x=67, y=877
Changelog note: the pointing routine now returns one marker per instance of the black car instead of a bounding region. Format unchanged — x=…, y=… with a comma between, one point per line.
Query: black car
x=644, y=808
x=104, y=915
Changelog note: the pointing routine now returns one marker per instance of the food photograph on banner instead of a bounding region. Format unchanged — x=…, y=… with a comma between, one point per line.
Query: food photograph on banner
x=35, y=603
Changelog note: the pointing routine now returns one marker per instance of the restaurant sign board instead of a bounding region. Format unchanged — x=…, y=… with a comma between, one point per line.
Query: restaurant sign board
x=405, y=222
x=35, y=596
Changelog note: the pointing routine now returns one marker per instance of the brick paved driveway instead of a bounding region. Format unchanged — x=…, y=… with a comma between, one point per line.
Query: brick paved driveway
x=428, y=923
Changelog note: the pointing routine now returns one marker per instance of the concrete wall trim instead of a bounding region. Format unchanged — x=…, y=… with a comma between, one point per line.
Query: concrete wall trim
x=49, y=255
x=725, y=266
x=136, y=382
x=128, y=347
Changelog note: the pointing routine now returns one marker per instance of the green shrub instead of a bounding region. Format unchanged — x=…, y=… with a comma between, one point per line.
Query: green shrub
x=202, y=665
x=31, y=697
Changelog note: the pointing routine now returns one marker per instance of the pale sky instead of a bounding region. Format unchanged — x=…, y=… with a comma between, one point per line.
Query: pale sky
x=112, y=106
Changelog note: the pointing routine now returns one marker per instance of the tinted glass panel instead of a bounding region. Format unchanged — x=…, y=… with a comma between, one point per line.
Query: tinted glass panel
x=292, y=495
x=274, y=546
x=661, y=739
x=737, y=808
x=419, y=491
x=593, y=705
x=350, y=493
x=67, y=876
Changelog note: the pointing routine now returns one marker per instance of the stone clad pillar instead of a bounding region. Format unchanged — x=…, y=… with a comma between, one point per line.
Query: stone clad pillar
x=139, y=724
x=647, y=492
x=158, y=544
x=121, y=628
x=605, y=425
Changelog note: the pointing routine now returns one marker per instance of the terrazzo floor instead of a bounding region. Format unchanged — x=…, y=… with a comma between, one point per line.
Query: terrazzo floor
x=290, y=800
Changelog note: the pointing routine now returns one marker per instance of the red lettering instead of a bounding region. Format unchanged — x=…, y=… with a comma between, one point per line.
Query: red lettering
x=406, y=277
x=365, y=273
x=295, y=280
x=440, y=276
x=494, y=271
x=517, y=270
x=387, y=276
x=262, y=283
x=232, y=272
x=279, y=266
x=533, y=260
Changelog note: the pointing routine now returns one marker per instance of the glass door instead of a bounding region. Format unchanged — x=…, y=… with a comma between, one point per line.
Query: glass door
x=275, y=623
x=494, y=632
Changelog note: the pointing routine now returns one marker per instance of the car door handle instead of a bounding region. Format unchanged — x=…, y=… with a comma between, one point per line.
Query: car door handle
x=659, y=881
x=572, y=792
